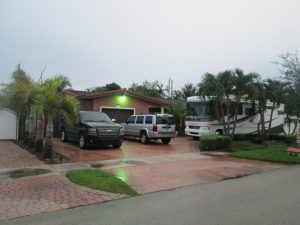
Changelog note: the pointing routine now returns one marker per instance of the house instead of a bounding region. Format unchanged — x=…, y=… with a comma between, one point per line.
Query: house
x=119, y=104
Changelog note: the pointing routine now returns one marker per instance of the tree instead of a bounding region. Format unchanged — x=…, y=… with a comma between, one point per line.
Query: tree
x=108, y=87
x=54, y=103
x=290, y=68
x=276, y=92
x=211, y=85
x=147, y=88
x=242, y=88
x=178, y=111
x=259, y=94
x=188, y=90
x=20, y=95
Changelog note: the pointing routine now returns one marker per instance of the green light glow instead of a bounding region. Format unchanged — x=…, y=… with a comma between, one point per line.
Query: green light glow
x=122, y=100
x=122, y=175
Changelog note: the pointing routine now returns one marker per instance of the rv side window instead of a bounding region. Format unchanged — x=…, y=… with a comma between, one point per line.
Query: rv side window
x=249, y=111
x=240, y=109
x=131, y=119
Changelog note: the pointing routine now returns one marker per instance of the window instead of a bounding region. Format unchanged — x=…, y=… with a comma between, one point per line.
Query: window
x=164, y=120
x=140, y=119
x=131, y=119
x=148, y=120
x=240, y=109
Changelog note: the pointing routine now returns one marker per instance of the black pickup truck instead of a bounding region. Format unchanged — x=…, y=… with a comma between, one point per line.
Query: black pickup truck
x=94, y=128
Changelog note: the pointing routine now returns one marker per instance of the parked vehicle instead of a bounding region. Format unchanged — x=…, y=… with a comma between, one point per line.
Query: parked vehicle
x=203, y=117
x=93, y=128
x=149, y=126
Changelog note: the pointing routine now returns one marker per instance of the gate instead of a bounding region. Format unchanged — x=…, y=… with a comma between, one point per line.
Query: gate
x=8, y=124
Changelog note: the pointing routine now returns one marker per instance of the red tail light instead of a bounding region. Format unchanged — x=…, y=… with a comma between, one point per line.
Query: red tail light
x=154, y=128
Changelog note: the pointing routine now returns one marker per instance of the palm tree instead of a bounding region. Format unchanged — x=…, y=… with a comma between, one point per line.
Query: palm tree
x=259, y=94
x=188, y=90
x=276, y=92
x=54, y=103
x=178, y=111
x=242, y=88
x=20, y=95
x=211, y=86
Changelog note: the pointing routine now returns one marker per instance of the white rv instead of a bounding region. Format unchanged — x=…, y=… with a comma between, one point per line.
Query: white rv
x=203, y=117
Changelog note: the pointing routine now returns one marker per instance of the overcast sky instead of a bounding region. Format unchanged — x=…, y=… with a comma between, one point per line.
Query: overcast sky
x=95, y=42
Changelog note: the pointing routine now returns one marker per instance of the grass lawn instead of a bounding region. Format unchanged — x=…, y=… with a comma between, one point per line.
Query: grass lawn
x=100, y=180
x=249, y=145
x=272, y=154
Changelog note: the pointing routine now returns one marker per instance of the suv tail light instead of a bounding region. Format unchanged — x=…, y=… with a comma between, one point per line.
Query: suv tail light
x=154, y=128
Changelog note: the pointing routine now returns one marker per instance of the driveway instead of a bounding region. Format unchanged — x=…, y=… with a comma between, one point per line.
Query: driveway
x=129, y=149
x=156, y=167
x=42, y=193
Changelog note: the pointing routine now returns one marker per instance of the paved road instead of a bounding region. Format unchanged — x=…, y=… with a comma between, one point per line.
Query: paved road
x=271, y=198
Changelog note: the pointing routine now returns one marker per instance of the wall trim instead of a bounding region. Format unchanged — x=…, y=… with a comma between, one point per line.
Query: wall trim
x=121, y=108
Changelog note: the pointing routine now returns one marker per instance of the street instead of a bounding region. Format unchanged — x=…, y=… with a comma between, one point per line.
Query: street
x=270, y=198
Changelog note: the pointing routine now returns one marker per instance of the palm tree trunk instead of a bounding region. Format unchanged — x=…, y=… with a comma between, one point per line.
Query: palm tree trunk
x=271, y=118
x=235, y=118
x=223, y=118
x=296, y=125
x=47, y=153
x=228, y=119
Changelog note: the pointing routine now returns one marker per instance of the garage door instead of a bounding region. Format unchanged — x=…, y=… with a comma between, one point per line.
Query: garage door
x=8, y=125
x=120, y=115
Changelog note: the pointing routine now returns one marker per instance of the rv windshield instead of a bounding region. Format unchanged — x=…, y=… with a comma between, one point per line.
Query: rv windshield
x=198, y=110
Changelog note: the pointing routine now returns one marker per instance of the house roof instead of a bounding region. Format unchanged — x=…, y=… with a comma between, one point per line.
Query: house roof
x=75, y=93
x=92, y=95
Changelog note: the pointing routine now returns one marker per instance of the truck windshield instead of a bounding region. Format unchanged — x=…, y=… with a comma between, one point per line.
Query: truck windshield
x=197, y=110
x=94, y=117
x=164, y=120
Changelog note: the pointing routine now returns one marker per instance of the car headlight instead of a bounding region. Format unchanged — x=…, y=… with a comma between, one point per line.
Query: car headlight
x=92, y=131
x=205, y=128
x=122, y=131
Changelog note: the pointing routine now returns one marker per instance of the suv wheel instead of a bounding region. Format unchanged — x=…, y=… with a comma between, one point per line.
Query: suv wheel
x=166, y=140
x=144, y=138
x=82, y=143
x=64, y=137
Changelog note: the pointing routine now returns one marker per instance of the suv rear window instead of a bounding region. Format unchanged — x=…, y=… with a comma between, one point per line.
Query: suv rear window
x=148, y=120
x=139, y=119
x=164, y=120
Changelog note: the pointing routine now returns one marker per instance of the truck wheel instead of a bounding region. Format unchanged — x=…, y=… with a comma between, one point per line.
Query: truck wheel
x=144, y=138
x=82, y=143
x=196, y=138
x=166, y=140
x=64, y=137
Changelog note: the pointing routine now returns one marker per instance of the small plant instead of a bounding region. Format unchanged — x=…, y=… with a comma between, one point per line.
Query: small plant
x=214, y=142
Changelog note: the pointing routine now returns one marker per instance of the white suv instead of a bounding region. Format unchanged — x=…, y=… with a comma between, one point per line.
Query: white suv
x=149, y=126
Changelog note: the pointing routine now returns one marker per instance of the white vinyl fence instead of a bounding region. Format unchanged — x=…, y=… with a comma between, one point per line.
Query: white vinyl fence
x=8, y=124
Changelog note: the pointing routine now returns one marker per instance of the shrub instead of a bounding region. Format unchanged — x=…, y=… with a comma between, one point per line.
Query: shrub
x=288, y=139
x=244, y=137
x=214, y=142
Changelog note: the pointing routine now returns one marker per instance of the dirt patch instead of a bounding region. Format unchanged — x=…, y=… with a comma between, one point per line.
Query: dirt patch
x=28, y=172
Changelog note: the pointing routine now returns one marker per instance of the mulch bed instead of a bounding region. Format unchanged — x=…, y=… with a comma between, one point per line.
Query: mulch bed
x=56, y=157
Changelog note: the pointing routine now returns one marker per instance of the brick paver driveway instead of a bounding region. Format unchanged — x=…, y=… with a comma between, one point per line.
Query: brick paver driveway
x=36, y=194
x=12, y=156
x=155, y=167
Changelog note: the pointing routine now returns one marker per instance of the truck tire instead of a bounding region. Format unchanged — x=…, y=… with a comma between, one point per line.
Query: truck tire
x=144, y=138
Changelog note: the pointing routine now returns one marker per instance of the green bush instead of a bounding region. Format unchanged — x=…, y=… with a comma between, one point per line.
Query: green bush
x=288, y=139
x=214, y=142
x=244, y=137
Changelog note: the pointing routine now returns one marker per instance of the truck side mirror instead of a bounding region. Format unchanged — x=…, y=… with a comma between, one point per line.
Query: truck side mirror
x=113, y=120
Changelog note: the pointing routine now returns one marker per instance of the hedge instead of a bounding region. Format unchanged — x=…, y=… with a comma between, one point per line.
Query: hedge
x=288, y=139
x=214, y=142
